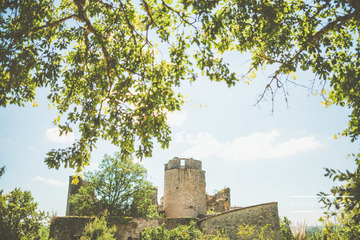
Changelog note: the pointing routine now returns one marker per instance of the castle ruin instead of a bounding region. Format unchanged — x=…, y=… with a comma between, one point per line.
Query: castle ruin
x=184, y=200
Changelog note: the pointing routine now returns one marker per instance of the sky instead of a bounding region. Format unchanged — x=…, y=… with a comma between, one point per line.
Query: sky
x=263, y=155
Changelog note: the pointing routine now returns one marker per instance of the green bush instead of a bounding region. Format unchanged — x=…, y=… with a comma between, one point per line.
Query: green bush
x=246, y=231
x=44, y=232
x=98, y=230
x=182, y=232
x=285, y=229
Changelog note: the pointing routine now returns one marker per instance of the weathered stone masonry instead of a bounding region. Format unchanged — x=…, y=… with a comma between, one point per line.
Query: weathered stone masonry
x=258, y=215
x=220, y=202
x=184, y=189
x=69, y=228
x=184, y=201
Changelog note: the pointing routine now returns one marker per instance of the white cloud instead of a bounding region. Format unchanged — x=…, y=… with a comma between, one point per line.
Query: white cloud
x=179, y=137
x=38, y=178
x=177, y=118
x=49, y=181
x=204, y=144
x=31, y=148
x=265, y=145
x=53, y=134
x=255, y=146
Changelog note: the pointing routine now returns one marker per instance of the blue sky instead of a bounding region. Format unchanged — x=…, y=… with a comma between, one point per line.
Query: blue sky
x=263, y=156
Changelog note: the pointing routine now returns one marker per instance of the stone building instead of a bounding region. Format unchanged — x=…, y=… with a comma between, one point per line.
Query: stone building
x=73, y=189
x=184, y=189
x=184, y=201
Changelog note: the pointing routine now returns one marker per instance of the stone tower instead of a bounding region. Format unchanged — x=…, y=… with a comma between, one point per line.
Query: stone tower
x=73, y=189
x=184, y=188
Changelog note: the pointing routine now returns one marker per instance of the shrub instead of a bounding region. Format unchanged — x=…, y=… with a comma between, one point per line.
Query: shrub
x=182, y=232
x=285, y=229
x=98, y=230
x=246, y=231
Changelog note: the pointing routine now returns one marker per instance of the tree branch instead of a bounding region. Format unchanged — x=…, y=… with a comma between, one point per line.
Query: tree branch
x=338, y=22
x=50, y=25
x=37, y=29
x=132, y=28
x=83, y=18
x=147, y=10
x=178, y=13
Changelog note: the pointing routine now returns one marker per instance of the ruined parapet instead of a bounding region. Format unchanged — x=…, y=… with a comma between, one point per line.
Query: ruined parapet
x=184, y=188
x=184, y=163
x=154, y=196
x=73, y=189
x=220, y=202
x=161, y=206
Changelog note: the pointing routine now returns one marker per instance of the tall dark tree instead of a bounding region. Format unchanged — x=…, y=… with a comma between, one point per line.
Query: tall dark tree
x=2, y=171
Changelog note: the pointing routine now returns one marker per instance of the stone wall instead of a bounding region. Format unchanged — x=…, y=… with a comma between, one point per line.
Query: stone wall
x=184, y=189
x=70, y=228
x=220, y=202
x=258, y=215
x=192, y=163
x=133, y=229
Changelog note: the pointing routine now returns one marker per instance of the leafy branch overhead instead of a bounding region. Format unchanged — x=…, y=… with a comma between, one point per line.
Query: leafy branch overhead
x=321, y=36
x=112, y=67
x=101, y=62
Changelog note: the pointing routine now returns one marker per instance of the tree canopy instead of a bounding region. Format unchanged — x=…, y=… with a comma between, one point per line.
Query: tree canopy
x=19, y=217
x=112, y=67
x=321, y=36
x=102, y=63
x=118, y=188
